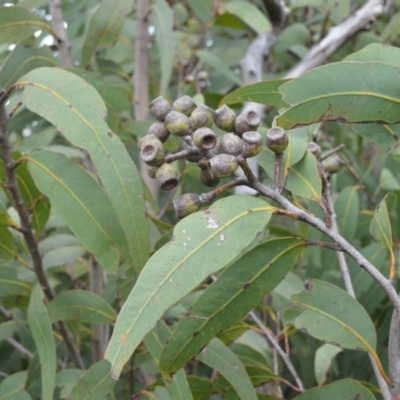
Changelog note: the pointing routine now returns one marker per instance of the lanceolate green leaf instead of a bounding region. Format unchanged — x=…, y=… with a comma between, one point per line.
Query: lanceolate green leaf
x=381, y=230
x=12, y=387
x=18, y=23
x=236, y=291
x=113, y=98
x=22, y=60
x=323, y=361
x=10, y=283
x=7, y=246
x=226, y=228
x=348, y=91
x=227, y=363
x=81, y=305
x=80, y=119
x=104, y=27
x=203, y=8
x=95, y=384
x=304, y=179
x=249, y=14
x=347, y=207
x=335, y=317
x=343, y=389
x=42, y=332
x=377, y=52
x=72, y=190
x=163, y=20
x=263, y=92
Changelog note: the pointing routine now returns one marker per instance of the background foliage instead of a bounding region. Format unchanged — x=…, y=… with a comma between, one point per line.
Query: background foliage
x=205, y=312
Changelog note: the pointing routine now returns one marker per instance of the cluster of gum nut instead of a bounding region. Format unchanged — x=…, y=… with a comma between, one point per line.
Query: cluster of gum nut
x=216, y=158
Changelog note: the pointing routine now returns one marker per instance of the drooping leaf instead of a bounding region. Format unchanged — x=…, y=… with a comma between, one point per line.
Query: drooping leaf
x=227, y=363
x=236, y=291
x=249, y=14
x=179, y=388
x=228, y=226
x=381, y=230
x=8, y=250
x=347, y=207
x=60, y=249
x=10, y=283
x=388, y=181
x=94, y=384
x=80, y=305
x=203, y=9
x=163, y=20
x=13, y=387
x=384, y=136
x=215, y=62
x=72, y=190
x=22, y=60
x=8, y=329
x=349, y=91
x=335, y=317
x=42, y=332
x=304, y=180
x=80, y=120
x=342, y=389
x=262, y=92
x=323, y=361
x=66, y=380
x=104, y=27
x=200, y=387
x=18, y=23
x=377, y=52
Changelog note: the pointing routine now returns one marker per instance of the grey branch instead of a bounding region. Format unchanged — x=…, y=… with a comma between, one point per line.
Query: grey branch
x=337, y=36
x=57, y=23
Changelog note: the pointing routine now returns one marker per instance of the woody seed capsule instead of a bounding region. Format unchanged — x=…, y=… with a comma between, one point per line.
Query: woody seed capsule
x=184, y=105
x=202, y=116
x=230, y=144
x=167, y=176
x=252, y=144
x=159, y=130
x=207, y=177
x=315, y=149
x=204, y=138
x=187, y=204
x=277, y=140
x=248, y=121
x=177, y=123
x=223, y=165
x=159, y=108
x=225, y=118
x=152, y=151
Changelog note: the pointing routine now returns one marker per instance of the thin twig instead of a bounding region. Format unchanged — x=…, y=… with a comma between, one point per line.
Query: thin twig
x=332, y=151
x=282, y=354
x=18, y=346
x=26, y=229
x=277, y=171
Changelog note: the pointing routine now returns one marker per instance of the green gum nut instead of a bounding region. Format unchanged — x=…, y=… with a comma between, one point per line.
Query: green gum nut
x=230, y=144
x=277, y=140
x=204, y=138
x=202, y=116
x=252, y=144
x=177, y=123
x=184, y=105
x=187, y=204
x=152, y=151
x=333, y=165
x=247, y=121
x=159, y=108
x=225, y=118
x=223, y=165
x=167, y=176
x=159, y=130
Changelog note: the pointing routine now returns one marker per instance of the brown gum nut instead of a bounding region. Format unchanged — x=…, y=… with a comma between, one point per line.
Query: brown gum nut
x=204, y=138
x=184, y=105
x=187, y=204
x=277, y=140
x=223, y=165
x=208, y=178
x=159, y=108
x=202, y=116
x=167, y=176
x=315, y=149
x=230, y=144
x=177, y=123
x=252, y=144
x=225, y=118
x=247, y=121
x=159, y=130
